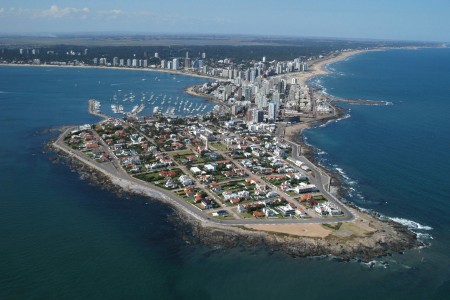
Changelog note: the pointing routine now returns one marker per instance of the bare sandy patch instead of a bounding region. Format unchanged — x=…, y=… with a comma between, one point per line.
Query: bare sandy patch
x=308, y=230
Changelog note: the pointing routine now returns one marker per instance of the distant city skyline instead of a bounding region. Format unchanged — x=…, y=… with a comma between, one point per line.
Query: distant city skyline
x=382, y=19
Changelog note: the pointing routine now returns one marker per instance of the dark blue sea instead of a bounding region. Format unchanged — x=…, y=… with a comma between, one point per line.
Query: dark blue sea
x=62, y=238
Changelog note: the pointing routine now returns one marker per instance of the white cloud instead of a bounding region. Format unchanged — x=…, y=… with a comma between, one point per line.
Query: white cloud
x=111, y=14
x=55, y=12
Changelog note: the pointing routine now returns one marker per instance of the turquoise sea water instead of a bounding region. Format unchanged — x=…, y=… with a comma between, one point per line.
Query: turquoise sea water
x=61, y=238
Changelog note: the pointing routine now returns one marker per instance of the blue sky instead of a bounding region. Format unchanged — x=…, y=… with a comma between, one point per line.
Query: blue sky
x=378, y=19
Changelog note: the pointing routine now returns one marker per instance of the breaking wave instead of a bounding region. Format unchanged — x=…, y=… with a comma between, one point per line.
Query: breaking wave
x=411, y=224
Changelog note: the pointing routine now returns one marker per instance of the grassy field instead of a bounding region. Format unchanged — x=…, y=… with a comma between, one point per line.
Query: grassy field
x=219, y=146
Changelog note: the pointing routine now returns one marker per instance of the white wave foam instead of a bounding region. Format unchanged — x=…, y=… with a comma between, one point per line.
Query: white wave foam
x=343, y=118
x=377, y=264
x=342, y=173
x=411, y=224
x=388, y=103
x=423, y=236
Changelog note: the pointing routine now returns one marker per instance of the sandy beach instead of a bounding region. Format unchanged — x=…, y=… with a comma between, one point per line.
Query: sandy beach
x=178, y=72
x=318, y=67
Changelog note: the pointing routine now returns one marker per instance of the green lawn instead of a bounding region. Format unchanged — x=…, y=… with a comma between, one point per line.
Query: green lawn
x=219, y=146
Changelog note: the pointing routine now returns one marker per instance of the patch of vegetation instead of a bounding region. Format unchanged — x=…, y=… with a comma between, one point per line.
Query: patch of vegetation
x=332, y=226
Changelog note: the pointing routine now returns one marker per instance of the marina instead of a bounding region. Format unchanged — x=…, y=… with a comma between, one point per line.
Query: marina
x=124, y=103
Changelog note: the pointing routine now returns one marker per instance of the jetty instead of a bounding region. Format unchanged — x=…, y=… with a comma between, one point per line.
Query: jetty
x=94, y=109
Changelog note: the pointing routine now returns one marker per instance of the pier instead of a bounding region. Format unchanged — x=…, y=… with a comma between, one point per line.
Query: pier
x=94, y=109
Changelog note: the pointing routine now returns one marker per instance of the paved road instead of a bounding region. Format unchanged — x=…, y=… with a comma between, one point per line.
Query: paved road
x=321, y=180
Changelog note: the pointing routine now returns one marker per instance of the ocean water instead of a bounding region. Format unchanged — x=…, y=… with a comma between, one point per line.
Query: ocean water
x=62, y=238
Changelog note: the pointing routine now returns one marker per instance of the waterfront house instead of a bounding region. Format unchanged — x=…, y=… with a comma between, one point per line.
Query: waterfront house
x=269, y=212
x=207, y=203
x=286, y=210
x=242, y=208
x=300, y=212
x=258, y=214
x=189, y=191
x=185, y=180
x=220, y=213
x=170, y=184
x=198, y=197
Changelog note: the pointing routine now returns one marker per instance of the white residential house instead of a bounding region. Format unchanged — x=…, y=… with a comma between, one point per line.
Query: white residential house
x=300, y=212
x=286, y=210
x=243, y=194
x=241, y=208
x=269, y=212
x=185, y=180
x=271, y=194
x=196, y=170
x=210, y=167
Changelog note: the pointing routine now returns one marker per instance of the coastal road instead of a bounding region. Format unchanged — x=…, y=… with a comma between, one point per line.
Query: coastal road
x=320, y=179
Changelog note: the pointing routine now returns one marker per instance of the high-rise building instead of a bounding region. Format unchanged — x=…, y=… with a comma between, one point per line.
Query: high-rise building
x=228, y=90
x=129, y=62
x=257, y=116
x=279, y=68
x=204, y=55
x=239, y=94
x=250, y=115
x=276, y=98
x=187, y=62
x=305, y=67
x=163, y=63
x=115, y=61
x=121, y=62
x=272, y=111
x=156, y=54
x=248, y=93
x=233, y=110
x=134, y=63
x=175, y=63
x=264, y=59
x=225, y=73
x=252, y=76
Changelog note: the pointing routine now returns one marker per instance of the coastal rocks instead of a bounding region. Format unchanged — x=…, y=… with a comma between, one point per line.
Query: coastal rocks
x=383, y=237
x=85, y=172
x=390, y=237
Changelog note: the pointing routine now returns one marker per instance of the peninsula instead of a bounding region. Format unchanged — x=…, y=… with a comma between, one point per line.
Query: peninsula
x=236, y=179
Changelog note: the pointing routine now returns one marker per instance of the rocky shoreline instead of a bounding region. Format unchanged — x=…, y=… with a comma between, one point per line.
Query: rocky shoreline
x=364, y=248
x=388, y=238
